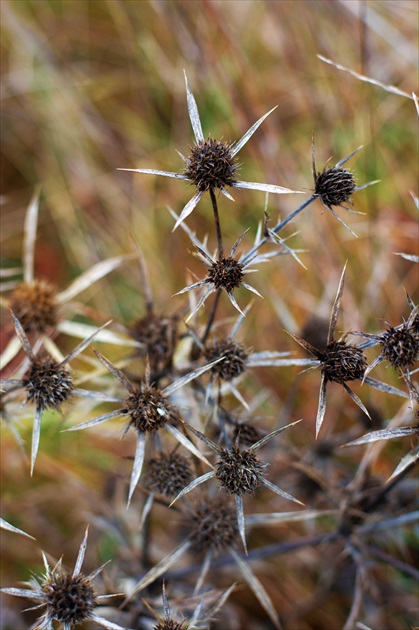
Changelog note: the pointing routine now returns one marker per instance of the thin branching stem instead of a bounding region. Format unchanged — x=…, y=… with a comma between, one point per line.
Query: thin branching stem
x=217, y=224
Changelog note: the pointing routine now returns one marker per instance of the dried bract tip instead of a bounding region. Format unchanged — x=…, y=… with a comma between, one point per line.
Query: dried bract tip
x=234, y=362
x=211, y=165
x=47, y=383
x=69, y=599
x=226, y=273
x=400, y=346
x=343, y=362
x=213, y=526
x=158, y=335
x=149, y=410
x=334, y=186
x=168, y=474
x=35, y=306
x=239, y=472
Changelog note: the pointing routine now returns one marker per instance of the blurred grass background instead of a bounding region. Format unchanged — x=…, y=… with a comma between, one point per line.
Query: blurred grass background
x=88, y=87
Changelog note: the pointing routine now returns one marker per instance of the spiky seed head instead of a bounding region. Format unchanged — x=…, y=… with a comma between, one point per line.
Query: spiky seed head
x=246, y=434
x=171, y=624
x=234, y=362
x=213, y=526
x=149, y=410
x=69, y=599
x=47, y=383
x=168, y=474
x=158, y=335
x=239, y=472
x=334, y=186
x=226, y=273
x=211, y=165
x=343, y=362
x=35, y=305
x=400, y=346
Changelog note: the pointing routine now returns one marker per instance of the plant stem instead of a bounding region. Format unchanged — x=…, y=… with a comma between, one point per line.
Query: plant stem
x=217, y=224
x=277, y=229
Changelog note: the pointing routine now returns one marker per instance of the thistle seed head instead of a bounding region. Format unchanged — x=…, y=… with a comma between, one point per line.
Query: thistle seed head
x=334, y=186
x=213, y=526
x=158, y=335
x=211, y=165
x=239, y=472
x=400, y=346
x=149, y=410
x=234, y=362
x=35, y=305
x=47, y=383
x=246, y=434
x=226, y=273
x=342, y=362
x=168, y=474
x=171, y=624
x=69, y=599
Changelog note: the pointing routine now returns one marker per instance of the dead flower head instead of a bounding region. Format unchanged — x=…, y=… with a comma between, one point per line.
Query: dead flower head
x=69, y=598
x=211, y=164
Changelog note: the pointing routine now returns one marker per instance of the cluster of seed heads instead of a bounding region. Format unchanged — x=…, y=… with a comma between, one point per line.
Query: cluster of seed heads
x=149, y=410
x=400, y=346
x=213, y=526
x=35, y=306
x=69, y=599
x=158, y=337
x=168, y=474
x=343, y=362
x=334, y=186
x=210, y=165
x=234, y=362
x=47, y=383
x=239, y=472
x=226, y=273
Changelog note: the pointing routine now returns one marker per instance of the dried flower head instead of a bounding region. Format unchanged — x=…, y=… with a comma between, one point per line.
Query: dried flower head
x=48, y=383
x=399, y=346
x=35, y=304
x=224, y=273
x=157, y=335
x=246, y=434
x=339, y=363
x=235, y=358
x=335, y=186
x=211, y=164
x=342, y=362
x=68, y=598
x=168, y=474
x=149, y=410
x=213, y=526
x=239, y=472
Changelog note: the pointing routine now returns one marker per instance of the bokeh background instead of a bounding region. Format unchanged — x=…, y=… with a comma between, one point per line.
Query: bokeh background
x=90, y=87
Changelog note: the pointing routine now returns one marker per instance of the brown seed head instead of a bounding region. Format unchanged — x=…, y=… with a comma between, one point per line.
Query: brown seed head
x=342, y=362
x=234, y=362
x=158, y=335
x=400, y=346
x=211, y=165
x=334, y=186
x=226, y=273
x=35, y=305
x=246, y=434
x=149, y=410
x=171, y=624
x=69, y=599
x=239, y=472
x=47, y=383
x=168, y=474
x=213, y=526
